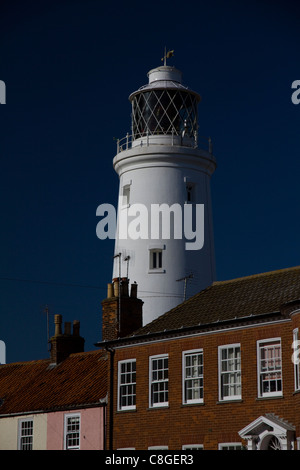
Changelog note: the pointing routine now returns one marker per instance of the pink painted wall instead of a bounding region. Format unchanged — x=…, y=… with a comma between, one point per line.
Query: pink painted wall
x=91, y=429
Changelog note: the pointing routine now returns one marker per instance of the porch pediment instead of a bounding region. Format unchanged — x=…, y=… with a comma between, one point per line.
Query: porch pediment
x=266, y=429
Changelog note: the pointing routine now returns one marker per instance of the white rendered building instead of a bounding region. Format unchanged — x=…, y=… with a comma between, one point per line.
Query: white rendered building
x=164, y=183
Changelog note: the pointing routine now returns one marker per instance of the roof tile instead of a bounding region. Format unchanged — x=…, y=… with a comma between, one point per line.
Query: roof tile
x=81, y=379
x=226, y=300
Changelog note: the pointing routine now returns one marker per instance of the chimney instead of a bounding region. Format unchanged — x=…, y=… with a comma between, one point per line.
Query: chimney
x=122, y=314
x=64, y=344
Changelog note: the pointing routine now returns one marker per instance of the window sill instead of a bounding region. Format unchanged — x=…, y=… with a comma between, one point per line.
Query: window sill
x=156, y=271
x=163, y=407
x=200, y=403
x=234, y=400
x=275, y=397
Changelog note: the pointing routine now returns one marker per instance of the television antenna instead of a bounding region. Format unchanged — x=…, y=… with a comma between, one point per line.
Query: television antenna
x=185, y=279
x=46, y=311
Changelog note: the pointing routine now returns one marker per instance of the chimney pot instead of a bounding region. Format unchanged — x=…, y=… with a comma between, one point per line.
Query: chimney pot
x=57, y=322
x=116, y=287
x=124, y=286
x=134, y=290
x=67, y=328
x=110, y=290
x=62, y=345
x=76, y=327
x=121, y=319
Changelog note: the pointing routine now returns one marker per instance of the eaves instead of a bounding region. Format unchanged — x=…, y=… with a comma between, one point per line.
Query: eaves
x=101, y=403
x=200, y=329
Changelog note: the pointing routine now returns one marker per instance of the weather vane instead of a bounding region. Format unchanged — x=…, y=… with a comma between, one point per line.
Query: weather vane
x=167, y=56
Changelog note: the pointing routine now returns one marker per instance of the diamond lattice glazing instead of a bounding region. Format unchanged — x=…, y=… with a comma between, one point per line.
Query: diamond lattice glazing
x=164, y=112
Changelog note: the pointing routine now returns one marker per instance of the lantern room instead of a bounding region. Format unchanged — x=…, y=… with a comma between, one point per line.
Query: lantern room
x=164, y=106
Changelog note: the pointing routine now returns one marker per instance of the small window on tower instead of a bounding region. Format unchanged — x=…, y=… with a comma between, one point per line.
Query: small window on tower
x=155, y=259
x=190, y=193
x=126, y=195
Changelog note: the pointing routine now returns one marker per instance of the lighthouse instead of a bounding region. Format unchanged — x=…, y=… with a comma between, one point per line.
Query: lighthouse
x=164, y=239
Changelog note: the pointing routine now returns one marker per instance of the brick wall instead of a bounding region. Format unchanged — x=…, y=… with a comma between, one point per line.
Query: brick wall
x=119, y=322
x=212, y=422
x=64, y=344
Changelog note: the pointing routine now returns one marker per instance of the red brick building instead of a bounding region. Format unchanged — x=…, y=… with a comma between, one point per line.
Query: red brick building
x=218, y=371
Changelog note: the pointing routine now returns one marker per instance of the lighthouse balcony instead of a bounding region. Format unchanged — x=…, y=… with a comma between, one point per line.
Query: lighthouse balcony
x=146, y=140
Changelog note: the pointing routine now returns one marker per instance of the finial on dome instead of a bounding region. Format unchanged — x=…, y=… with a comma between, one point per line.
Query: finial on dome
x=167, y=56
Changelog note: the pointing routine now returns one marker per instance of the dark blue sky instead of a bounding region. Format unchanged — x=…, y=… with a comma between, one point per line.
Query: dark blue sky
x=69, y=67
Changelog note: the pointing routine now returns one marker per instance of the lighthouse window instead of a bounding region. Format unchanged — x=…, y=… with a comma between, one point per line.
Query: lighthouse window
x=126, y=195
x=155, y=259
x=190, y=190
x=164, y=112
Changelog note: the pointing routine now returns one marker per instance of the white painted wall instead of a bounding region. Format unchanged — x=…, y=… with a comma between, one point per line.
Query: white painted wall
x=156, y=168
x=9, y=431
x=157, y=174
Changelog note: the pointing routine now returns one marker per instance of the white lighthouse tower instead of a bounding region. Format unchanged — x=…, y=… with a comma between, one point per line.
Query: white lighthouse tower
x=164, y=241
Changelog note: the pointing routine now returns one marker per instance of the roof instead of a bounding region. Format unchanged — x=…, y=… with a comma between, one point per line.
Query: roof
x=268, y=422
x=253, y=295
x=78, y=381
x=162, y=78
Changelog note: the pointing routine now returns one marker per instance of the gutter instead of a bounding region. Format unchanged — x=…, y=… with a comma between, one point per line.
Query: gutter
x=147, y=337
x=101, y=403
x=111, y=397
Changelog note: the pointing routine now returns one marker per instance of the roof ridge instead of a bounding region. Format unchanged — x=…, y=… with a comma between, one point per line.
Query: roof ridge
x=25, y=363
x=86, y=353
x=252, y=276
x=169, y=312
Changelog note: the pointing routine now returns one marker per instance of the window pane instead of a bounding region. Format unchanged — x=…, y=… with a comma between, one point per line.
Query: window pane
x=270, y=368
x=159, y=259
x=164, y=112
x=26, y=435
x=127, y=384
x=155, y=259
x=296, y=360
x=230, y=370
x=159, y=385
x=193, y=377
x=72, y=432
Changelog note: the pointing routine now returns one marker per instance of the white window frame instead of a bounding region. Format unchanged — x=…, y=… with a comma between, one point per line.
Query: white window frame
x=234, y=372
x=157, y=248
x=23, y=437
x=158, y=448
x=158, y=381
x=264, y=344
x=157, y=254
x=66, y=432
x=130, y=383
x=185, y=379
x=126, y=189
x=230, y=446
x=192, y=447
x=190, y=192
x=296, y=359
